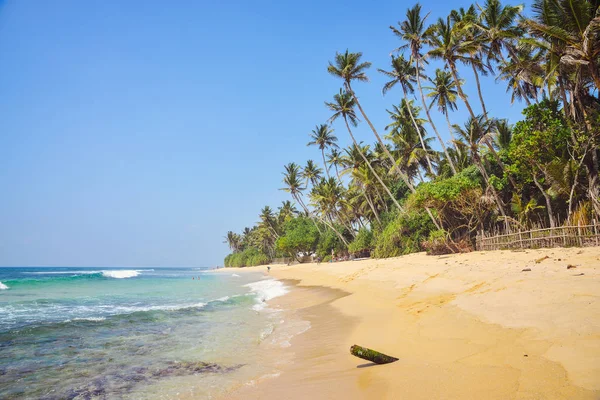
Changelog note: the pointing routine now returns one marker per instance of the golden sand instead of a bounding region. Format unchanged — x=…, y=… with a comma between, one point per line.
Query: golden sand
x=466, y=326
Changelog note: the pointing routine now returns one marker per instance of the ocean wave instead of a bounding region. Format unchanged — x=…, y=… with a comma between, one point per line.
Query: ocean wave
x=235, y=275
x=111, y=273
x=90, y=319
x=266, y=290
x=3, y=286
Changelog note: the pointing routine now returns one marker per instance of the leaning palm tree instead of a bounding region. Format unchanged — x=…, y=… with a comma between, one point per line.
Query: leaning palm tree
x=475, y=131
x=413, y=32
x=443, y=94
x=291, y=178
x=233, y=240
x=323, y=137
x=311, y=172
x=403, y=73
x=333, y=159
x=448, y=45
x=267, y=218
x=343, y=106
x=325, y=197
x=349, y=68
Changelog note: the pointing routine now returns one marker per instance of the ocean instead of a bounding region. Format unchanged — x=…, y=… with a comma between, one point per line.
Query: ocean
x=156, y=333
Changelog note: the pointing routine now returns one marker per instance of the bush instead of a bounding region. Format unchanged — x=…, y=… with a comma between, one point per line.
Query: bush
x=300, y=236
x=250, y=257
x=402, y=235
x=439, y=242
x=326, y=259
x=362, y=242
x=327, y=242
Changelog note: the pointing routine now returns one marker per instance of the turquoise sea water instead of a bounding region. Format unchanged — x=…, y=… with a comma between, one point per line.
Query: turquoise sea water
x=80, y=333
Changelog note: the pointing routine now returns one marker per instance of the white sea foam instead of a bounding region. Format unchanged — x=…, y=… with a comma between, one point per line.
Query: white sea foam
x=90, y=319
x=235, y=275
x=121, y=274
x=116, y=273
x=223, y=299
x=3, y=286
x=266, y=290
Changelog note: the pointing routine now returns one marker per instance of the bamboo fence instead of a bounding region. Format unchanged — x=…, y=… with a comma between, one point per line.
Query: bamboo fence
x=562, y=236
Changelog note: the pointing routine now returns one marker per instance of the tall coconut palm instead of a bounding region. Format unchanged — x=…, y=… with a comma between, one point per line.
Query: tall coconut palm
x=343, y=106
x=443, y=94
x=449, y=45
x=363, y=178
x=474, y=132
x=404, y=74
x=416, y=35
x=499, y=29
x=349, y=68
x=323, y=137
x=267, y=218
x=233, y=240
x=326, y=196
x=333, y=159
x=291, y=178
x=464, y=21
x=311, y=172
x=411, y=149
x=523, y=73
x=287, y=210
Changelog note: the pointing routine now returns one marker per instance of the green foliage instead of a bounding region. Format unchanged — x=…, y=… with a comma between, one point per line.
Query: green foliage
x=250, y=257
x=403, y=235
x=326, y=258
x=329, y=241
x=363, y=241
x=437, y=193
x=300, y=236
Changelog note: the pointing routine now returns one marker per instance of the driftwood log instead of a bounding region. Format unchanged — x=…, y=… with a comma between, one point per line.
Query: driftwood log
x=371, y=355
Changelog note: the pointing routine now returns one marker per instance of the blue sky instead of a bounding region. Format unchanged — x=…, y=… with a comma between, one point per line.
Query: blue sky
x=137, y=133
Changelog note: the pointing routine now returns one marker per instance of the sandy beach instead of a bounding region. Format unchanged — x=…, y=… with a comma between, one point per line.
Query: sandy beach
x=465, y=326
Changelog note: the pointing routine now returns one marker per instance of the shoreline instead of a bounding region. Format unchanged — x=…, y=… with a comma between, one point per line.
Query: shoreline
x=469, y=325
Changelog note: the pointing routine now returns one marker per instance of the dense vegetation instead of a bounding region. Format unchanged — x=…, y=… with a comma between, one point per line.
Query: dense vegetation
x=400, y=195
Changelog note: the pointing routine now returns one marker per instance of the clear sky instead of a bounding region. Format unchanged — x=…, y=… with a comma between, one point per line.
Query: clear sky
x=137, y=133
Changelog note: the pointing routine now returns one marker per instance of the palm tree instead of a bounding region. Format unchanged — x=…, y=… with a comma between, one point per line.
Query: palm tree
x=443, y=94
x=233, y=240
x=403, y=73
x=413, y=32
x=349, y=68
x=464, y=21
x=411, y=149
x=475, y=131
x=449, y=45
x=498, y=28
x=326, y=196
x=343, y=106
x=311, y=172
x=503, y=134
x=323, y=137
x=291, y=178
x=333, y=158
x=523, y=73
x=267, y=218
x=364, y=179
x=287, y=210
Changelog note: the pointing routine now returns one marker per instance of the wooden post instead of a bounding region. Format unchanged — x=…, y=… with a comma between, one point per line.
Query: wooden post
x=564, y=237
x=596, y=233
x=579, y=239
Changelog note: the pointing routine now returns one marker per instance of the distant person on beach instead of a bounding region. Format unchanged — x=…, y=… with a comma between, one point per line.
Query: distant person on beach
x=269, y=269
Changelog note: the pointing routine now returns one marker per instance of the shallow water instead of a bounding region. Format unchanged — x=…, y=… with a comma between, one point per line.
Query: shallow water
x=145, y=333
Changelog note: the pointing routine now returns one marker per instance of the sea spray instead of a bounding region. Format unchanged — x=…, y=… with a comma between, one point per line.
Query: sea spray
x=266, y=290
x=3, y=286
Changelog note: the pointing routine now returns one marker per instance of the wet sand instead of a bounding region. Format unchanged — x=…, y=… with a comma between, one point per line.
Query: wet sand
x=468, y=326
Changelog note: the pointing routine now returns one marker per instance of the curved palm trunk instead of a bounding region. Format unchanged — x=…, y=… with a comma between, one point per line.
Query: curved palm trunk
x=299, y=200
x=459, y=89
x=418, y=131
x=479, y=90
x=371, y=167
x=324, y=163
x=372, y=207
x=548, y=201
x=330, y=225
x=385, y=149
x=451, y=134
x=431, y=121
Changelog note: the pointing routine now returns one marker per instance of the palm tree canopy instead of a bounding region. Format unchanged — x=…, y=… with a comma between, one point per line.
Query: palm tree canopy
x=403, y=72
x=343, y=106
x=312, y=172
x=443, y=92
x=348, y=67
x=323, y=137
